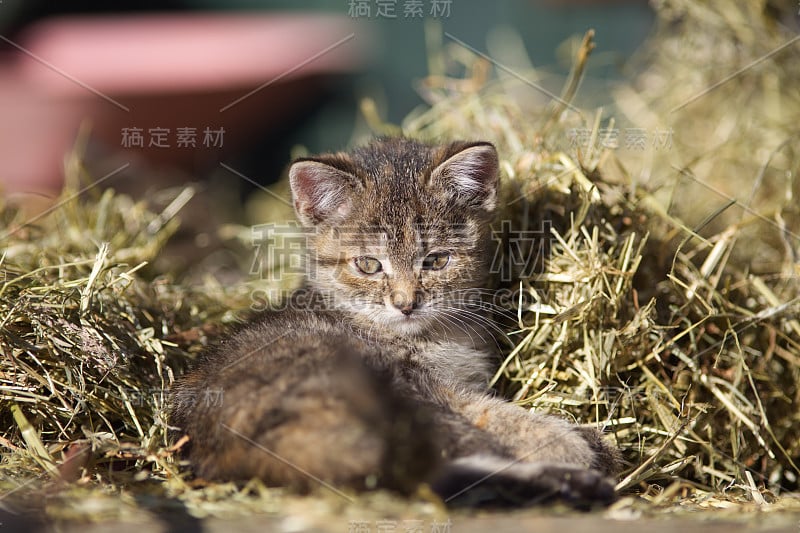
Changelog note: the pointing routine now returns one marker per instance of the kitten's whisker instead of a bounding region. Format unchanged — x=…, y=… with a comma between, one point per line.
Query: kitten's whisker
x=455, y=313
x=477, y=303
x=446, y=304
x=443, y=317
x=487, y=336
x=445, y=327
x=478, y=320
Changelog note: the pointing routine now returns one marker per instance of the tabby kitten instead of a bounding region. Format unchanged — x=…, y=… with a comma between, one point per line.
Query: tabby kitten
x=376, y=375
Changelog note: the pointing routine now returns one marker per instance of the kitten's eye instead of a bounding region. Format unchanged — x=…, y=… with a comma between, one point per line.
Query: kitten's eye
x=368, y=265
x=436, y=261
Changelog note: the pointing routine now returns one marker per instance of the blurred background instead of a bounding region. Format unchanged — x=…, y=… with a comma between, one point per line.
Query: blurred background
x=161, y=93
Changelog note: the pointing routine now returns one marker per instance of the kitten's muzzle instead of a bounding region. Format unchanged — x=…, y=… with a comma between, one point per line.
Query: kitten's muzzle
x=405, y=307
x=406, y=301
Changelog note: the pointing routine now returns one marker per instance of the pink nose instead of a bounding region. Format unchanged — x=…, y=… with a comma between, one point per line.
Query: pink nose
x=406, y=307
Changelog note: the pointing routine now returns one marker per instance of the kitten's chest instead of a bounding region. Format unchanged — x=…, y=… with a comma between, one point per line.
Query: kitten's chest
x=454, y=364
x=458, y=365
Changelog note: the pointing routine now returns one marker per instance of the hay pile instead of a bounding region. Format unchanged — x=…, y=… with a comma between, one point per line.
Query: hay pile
x=91, y=340
x=722, y=79
x=631, y=315
x=660, y=315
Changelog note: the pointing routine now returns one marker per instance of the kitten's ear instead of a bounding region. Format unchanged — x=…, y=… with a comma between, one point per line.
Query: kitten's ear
x=470, y=174
x=320, y=191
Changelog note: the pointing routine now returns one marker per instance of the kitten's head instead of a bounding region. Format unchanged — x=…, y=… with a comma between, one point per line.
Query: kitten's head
x=401, y=229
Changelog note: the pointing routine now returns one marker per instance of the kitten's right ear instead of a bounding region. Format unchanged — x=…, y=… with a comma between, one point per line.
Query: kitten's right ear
x=320, y=191
x=469, y=175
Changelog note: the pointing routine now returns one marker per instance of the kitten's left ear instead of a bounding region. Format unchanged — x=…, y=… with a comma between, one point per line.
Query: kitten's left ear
x=470, y=174
x=321, y=191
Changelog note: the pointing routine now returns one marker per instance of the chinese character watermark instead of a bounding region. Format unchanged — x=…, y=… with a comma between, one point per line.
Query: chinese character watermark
x=440, y=8
x=160, y=137
x=399, y=526
x=288, y=248
x=132, y=138
x=279, y=248
x=396, y=9
x=519, y=253
x=632, y=139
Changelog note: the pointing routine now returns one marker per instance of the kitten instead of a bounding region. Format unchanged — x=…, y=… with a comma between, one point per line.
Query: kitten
x=376, y=374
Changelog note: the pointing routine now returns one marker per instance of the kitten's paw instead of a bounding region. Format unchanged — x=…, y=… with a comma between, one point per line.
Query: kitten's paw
x=489, y=481
x=607, y=459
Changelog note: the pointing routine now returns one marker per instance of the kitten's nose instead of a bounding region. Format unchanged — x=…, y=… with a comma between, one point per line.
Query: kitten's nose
x=406, y=307
x=405, y=296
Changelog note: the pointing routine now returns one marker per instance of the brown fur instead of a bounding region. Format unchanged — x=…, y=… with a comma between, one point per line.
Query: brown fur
x=383, y=381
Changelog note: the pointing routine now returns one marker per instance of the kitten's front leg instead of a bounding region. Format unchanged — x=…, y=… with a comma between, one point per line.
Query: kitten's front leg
x=549, y=459
x=539, y=437
x=490, y=480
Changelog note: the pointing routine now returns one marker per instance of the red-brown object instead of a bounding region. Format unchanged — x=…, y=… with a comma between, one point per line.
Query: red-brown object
x=167, y=75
